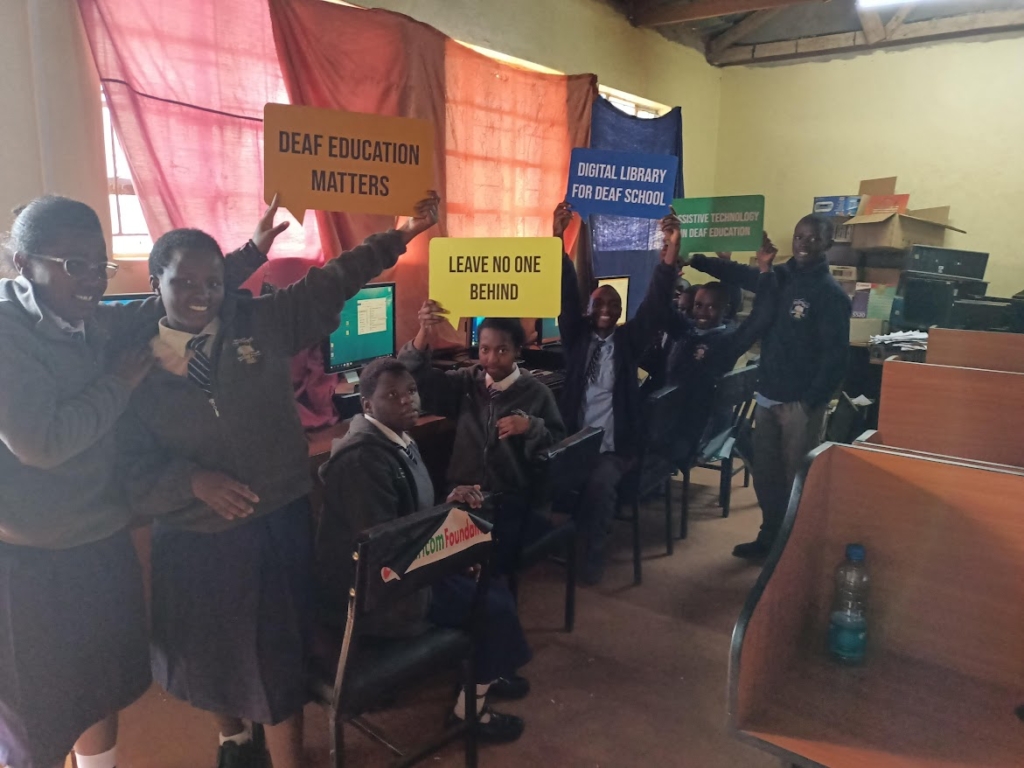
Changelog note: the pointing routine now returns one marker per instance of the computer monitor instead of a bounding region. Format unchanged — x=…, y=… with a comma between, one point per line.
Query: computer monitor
x=620, y=284
x=474, y=331
x=366, y=332
x=125, y=298
x=548, y=331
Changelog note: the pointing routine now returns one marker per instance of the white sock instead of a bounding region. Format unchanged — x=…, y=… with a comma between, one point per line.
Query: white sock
x=242, y=737
x=481, y=696
x=106, y=760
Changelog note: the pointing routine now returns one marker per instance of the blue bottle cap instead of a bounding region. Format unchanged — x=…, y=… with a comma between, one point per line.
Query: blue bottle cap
x=855, y=553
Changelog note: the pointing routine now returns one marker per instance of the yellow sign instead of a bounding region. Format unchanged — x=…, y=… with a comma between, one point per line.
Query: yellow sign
x=496, y=276
x=345, y=161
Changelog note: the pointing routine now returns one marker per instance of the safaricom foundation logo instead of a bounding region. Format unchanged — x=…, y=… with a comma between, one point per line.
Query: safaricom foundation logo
x=456, y=533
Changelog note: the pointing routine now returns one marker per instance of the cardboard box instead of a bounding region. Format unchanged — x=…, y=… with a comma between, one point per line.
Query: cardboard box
x=895, y=226
x=880, y=275
x=860, y=300
x=843, y=205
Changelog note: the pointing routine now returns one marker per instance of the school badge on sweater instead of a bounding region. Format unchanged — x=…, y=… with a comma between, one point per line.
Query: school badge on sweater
x=246, y=351
x=799, y=309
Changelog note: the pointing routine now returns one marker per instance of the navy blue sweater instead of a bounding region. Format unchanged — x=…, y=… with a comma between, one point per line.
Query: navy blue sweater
x=804, y=350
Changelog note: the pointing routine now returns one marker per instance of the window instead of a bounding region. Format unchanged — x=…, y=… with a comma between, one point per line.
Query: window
x=130, y=234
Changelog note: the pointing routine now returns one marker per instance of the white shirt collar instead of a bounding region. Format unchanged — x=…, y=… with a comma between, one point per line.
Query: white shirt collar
x=178, y=340
x=505, y=383
x=609, y=339
x=401, y=440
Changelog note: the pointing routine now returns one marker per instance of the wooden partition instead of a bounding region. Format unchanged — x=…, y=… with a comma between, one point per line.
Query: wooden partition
x=945, y=665
x=961, y=412
x=976, y=349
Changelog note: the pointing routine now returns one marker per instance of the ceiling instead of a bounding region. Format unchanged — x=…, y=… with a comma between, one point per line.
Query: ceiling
x=733, y=32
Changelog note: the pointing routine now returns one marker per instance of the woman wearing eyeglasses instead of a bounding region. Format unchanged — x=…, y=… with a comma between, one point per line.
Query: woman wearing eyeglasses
x=74, y=647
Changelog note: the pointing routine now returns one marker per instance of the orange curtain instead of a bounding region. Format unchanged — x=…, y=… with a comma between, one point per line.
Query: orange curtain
x=503, y=135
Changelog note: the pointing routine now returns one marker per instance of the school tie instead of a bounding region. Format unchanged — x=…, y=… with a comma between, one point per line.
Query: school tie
x=199, y=368
x=592, y=364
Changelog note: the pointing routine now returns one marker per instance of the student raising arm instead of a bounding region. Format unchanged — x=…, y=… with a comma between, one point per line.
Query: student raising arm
x=601, y=385
x=214, y=445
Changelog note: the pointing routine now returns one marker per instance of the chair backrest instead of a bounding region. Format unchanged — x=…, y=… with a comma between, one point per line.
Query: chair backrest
x=397, y=558
x=660, y=413
x=568, y=464
x=732, y=407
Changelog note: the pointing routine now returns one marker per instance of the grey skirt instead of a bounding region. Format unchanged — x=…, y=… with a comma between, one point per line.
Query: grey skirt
x=73, y=645
x=232, y=615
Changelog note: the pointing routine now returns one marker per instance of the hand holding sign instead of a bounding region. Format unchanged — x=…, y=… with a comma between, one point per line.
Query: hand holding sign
x=430, y=316
x=470, y=495
x=423, y=218
x=563, y=215
x=266, y=231
x=670, y=231
x=766, y=253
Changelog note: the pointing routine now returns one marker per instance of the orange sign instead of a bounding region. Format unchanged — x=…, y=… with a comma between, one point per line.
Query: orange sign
x=884, y=204
x=329, y=160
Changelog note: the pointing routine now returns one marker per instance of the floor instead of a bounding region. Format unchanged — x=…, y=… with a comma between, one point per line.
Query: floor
x=641, y=682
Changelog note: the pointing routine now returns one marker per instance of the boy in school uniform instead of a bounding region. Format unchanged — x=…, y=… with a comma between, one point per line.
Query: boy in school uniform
x=504, y=419
x=214, y=448
x=375, y=475
x=703, y=348
x=601, y=385
x=803, y=362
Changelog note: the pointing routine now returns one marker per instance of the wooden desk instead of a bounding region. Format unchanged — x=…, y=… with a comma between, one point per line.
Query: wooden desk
x=976, y=349
x=944, y=672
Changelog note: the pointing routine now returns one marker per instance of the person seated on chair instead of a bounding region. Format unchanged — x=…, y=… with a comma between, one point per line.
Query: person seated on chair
x=602, y=389
x=703, y=348
x=375, y=475
x=504, y=419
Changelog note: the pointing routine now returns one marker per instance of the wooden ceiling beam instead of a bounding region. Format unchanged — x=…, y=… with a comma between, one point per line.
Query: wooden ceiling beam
x=650, y=15
x=737, y=32
x=898, y=18
x=932, y=29
x=871, y=23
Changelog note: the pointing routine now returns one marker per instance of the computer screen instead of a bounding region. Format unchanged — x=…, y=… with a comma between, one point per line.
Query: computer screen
x=367, y=330
x=549, y=330
x=474, y=331
x=125, y=298
x=620, y=284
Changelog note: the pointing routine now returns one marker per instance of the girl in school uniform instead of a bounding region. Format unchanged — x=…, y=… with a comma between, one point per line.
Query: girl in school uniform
x=215, y=448
x=73, y=638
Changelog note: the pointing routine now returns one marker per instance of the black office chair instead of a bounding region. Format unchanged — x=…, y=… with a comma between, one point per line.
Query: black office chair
x=369, y=671
x=654, y=468
x=725, y=439
x=565, y=468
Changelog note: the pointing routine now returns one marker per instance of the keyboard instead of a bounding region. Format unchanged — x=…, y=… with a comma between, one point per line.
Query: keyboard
x=550, y=379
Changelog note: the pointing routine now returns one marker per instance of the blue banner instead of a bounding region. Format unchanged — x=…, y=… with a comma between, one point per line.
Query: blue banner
x=621, y=183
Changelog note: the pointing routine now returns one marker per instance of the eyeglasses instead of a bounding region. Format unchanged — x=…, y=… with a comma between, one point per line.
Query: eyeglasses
x=81, y=268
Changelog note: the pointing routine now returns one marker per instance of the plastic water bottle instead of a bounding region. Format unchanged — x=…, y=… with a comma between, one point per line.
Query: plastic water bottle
x=848, y=625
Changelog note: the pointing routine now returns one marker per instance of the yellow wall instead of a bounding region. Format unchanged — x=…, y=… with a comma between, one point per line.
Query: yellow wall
x=576, y=36
x=946, y=118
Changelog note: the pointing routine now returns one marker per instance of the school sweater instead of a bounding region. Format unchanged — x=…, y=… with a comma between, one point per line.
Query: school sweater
x=697, y=360
x=478, y=456
x=369, y=480
x=58, y=409
x=804, y=350
x=631, y=341
x=254, y=434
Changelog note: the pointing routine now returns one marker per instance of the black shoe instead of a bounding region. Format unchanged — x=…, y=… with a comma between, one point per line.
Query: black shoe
x=248, y=755
x=499, y=728
x=510, y=688
x=755, y=550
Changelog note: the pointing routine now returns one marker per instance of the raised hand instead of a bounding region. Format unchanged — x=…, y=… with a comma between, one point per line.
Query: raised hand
x=430, y=315
x=562, y=217
x=424, y=218
x=670, y=246
x=766, y=253
x=266, y=231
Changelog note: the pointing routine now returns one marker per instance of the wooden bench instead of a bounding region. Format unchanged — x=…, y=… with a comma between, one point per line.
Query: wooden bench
x=962, y=412
x=976, y=349
x=945, y=666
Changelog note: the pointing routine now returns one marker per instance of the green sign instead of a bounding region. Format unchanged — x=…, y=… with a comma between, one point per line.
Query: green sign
x=720, y=223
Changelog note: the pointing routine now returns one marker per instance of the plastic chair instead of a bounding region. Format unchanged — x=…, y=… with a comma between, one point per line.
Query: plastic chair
x=653, y=470
x=565, y=468
x=369, y=671
x=727, y=432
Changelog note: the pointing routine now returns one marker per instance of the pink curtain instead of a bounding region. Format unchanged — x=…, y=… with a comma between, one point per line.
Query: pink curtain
x=503, y=134
x=186, y=81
